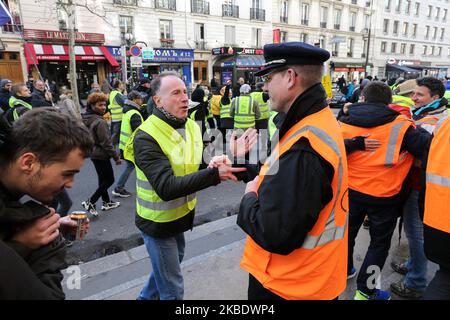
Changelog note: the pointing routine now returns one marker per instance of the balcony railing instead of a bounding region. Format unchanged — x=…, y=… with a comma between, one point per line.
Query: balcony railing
x=199, y=6
x=12, y=28
x=167, y=43
x=166, y=4
x=352, y=29
x=334, y=53
x=323, y=24
x=305, y=22
x=349, y=54
x=337, y=26
x=363, y=55
x=257, y=14
x=133, y=3
x=367, y=3
x=283, y=19
x=230, y=10
x=200, y=45
x=354, y=1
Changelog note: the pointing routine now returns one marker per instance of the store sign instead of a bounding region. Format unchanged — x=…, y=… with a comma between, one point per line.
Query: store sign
x=238, y=51
x=66, y=58
x=62, y=36
x=227, y=64
x=404, y=62
x=148, y=53
x=172, y=55
x=227, y=76
x=136, y=62
x=337, y=39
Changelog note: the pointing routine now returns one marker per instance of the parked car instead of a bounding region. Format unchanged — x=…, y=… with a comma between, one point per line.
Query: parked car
x=337, y=101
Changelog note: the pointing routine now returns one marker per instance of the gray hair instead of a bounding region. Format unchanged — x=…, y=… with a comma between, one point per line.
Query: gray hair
x=156, y=83
x=245, y=89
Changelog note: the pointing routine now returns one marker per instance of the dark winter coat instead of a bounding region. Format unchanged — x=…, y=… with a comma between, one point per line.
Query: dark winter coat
x=38, y=99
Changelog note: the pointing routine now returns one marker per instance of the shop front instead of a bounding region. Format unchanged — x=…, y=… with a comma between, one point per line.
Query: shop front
x=10, y=60
x=411, y=69
x=234, y=63
x=350, y=71
x=48, y=52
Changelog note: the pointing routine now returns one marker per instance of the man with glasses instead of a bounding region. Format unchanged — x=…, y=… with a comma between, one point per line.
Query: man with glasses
x=295, y=211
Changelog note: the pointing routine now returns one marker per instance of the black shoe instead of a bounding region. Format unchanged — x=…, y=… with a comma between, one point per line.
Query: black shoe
x=399, y=267
x=121, y=192
x=401, y=290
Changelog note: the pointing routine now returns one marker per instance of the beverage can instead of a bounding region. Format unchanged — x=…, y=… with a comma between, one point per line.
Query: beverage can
x=81, y=218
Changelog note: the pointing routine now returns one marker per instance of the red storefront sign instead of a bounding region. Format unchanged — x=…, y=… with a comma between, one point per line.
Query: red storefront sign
x=62, y=36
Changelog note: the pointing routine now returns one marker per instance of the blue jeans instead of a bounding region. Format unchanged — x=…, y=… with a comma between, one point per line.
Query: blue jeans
x=125, y=174
x=416, y=278
x=166, y=280
x=382, y=222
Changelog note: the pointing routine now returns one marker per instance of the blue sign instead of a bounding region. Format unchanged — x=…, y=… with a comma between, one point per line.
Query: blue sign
x=115, y=51
x=226, y=75
x=227, y=64
x=172, y=55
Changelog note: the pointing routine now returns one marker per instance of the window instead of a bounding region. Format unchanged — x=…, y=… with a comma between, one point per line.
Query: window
x=411, y=48
x=284, y=11
x=230, y=35
x=439, y=51
x=383, y=46
x=199, y=29
x=408, y=6
x=284, y=36
x=432, y=51
x=257, y=4
x=417, y=8
x=363, y=54
x=304, y=37
x=350, y=45
x=427, y=32
x=430, y=9
x=424, y=50
x=444, y=15
x=366, y=21
x=385, y=25
x=353, y=16
x=337, y=18
x=335, y=51
x=405, y=28
x=398, y=4
x=256, y=37
x=438, y=11
x=395, y=28
x=126, y=25
x=165, y=29
x=322, y=42
x=14, y=26
x=414, y=30
x=435, y=33
x=393, y=47
x=403, y=48
x=387, y=5
x=448, y=51
x=442, y=34
x=305, y=14
x=323, y=17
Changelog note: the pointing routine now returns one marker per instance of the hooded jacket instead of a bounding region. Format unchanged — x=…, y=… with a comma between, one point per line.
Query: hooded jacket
x=4, y=99
x=103, y=147
x=369, y=115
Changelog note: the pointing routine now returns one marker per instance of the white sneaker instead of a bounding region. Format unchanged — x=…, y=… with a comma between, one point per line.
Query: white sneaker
x=90, y=207
x=110, y=205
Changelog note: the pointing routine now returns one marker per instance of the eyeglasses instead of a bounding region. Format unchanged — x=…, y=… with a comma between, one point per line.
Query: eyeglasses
x=268, y=77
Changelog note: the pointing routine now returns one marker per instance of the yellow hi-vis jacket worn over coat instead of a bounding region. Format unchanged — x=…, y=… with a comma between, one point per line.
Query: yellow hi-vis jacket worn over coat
x=125, y=127
x=317, y=270
x=379, y=173
x=185, y=156
x=115, y=109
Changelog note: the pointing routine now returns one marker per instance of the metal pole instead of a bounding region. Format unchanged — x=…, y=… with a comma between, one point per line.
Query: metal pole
x=368, y=41
x=124, y=62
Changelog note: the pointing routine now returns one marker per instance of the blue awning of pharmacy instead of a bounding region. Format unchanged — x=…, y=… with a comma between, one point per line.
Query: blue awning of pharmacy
x=254, y=61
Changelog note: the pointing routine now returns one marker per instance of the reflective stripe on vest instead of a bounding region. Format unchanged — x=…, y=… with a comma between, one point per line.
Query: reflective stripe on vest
x=14, y=103
x=263, y=106
x=437, y=192
x=225, y=110
x=403, y=101
x=318, y=269
x=244, y=116
x=379, y=173
x=184, y=155
x=115, y=108
x=125, y=127
x=272, y=127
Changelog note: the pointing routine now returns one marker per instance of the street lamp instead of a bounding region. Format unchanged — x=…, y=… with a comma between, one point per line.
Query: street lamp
x=368, y=41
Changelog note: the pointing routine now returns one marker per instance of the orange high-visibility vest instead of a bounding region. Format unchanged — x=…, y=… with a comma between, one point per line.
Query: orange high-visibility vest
x=437, y=210
x=318, y=269
x=379, y=173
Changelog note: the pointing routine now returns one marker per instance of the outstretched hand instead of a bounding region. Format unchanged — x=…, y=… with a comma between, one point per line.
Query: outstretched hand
x=241, y=146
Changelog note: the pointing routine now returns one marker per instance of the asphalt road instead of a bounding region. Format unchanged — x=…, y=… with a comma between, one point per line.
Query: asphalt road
x=115, y=231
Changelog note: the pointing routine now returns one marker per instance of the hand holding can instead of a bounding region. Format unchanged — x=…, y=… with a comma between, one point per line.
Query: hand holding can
x=78, y=223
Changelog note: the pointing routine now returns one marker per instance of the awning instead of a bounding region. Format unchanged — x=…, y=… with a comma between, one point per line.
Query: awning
x=397, y=68
x=52, y=52
x=249, y=61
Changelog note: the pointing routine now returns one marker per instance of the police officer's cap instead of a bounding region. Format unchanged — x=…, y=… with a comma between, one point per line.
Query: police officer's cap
x=278, y=55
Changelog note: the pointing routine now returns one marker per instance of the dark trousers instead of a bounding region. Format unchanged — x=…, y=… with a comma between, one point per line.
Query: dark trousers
x=439, y=287
x=62, y=203
x=115, y=132
x=217, y=117
x=382, y=222
x=105, y=175
x=262, y=124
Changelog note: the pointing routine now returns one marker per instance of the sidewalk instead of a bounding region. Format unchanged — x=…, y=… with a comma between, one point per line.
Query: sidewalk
x=210, y=267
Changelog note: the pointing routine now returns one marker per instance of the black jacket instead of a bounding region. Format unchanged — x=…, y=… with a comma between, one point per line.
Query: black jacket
x=135, y=120
x=27, y=273
x=103, y=147
x=150, y=158
x=4, y=99
x=369, y=115
x=38, y=99
x=279, y=221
